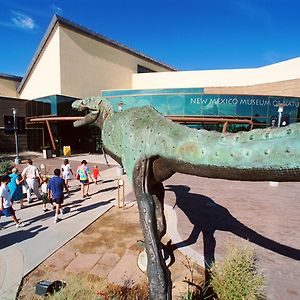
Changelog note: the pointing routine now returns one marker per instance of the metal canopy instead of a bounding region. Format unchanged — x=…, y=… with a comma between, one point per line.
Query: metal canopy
x=209, y=120
x=49, y=119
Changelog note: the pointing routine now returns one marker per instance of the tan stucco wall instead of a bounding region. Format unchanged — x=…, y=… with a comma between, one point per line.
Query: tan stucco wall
x=44, y=79
x=283, y=71
x=89, y=66
x=8, y=88
x=281, y=88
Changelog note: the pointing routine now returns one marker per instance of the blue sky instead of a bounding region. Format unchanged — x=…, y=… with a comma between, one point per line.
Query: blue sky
x=186, y=34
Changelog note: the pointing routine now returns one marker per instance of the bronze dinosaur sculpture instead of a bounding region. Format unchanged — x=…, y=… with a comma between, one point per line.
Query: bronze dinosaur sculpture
x=151, y=149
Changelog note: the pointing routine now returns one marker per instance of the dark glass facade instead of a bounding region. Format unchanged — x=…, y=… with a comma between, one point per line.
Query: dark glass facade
x=194, y=102
x=82, y=139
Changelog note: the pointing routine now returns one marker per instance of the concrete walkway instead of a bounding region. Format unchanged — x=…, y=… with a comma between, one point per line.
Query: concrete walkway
x=24, y=249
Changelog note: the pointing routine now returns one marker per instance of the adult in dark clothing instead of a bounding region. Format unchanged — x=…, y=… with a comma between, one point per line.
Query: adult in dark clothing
x=56, y=188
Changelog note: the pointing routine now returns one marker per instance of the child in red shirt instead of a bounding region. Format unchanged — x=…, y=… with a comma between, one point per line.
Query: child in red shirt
x=96, y=174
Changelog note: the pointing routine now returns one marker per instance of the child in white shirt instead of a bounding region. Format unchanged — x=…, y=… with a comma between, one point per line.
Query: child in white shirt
x=66, y=171
x=45, y=198
x=6, y=208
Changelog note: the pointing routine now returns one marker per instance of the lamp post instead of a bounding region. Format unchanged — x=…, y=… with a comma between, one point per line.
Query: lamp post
x=120, y=106
x=17, y=159
x=280, y=111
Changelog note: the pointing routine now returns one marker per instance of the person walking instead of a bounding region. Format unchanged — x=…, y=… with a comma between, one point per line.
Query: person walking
x=56, y=188
x=66, y=171
x=6, y=208
x=44, y=188
x=84, y=174
x=96, y=174
x=15, y=187
x=33, y=177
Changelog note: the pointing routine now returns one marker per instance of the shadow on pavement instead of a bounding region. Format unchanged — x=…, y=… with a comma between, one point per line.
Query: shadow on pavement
x=20, y=235
x=107, y=181
x=88, y=207
x=207, y=216
x=24, y=234
x=108, y=189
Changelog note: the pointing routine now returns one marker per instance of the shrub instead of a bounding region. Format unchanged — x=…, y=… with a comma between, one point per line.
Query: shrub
x=5, y=167
x=236, y=276
x=83, y=286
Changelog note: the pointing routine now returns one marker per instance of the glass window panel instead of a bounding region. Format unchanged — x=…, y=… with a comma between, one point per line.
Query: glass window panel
x=130, y=101
x=244, y=106
x=160, y=103
x=260, y=109
x=210, y=105
x=290, y=108
x=175, y=105
x=192, y=105
x=227, y=105
x=64, y=105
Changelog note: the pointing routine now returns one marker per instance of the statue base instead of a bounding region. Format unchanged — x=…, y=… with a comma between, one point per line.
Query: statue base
x=142, y=260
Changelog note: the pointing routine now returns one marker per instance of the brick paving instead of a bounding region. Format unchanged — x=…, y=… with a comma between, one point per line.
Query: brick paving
x=126, y=272
x=60, y=260
x=82, y=263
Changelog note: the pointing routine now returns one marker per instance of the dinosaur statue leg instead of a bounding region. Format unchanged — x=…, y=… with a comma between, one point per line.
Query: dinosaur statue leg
x=159, y=172
x=159, y=278
x=157, y=190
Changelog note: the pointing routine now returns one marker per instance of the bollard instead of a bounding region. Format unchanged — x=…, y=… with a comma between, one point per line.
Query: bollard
x=121, y=193
x=43, y=168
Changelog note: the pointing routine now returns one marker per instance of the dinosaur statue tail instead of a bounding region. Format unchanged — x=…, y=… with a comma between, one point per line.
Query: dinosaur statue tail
x=258, y=155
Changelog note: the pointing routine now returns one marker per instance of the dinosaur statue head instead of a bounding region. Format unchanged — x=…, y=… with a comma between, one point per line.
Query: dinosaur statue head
x=99, y=109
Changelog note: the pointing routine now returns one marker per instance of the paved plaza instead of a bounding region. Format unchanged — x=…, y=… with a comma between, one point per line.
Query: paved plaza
x=264, y=213
x=199, y=211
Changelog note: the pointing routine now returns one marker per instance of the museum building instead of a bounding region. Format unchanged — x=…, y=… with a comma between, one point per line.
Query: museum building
x=73, y=62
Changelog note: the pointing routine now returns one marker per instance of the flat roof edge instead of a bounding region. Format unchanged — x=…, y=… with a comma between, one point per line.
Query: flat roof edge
x=10, y=77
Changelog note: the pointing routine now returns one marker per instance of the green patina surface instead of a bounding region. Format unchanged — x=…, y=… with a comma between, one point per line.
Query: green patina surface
x=143, y=132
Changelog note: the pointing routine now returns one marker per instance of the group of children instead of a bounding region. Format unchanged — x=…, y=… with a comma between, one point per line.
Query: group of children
x=52, y=189
x=82, y=174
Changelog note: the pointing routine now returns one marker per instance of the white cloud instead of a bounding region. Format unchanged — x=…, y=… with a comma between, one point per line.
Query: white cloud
x=22, y=21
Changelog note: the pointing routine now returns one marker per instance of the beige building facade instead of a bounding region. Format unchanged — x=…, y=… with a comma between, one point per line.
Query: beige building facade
x=282, y=79
x=88, y=66
x=285, y=88
x=74, y=62
x=9, y=85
